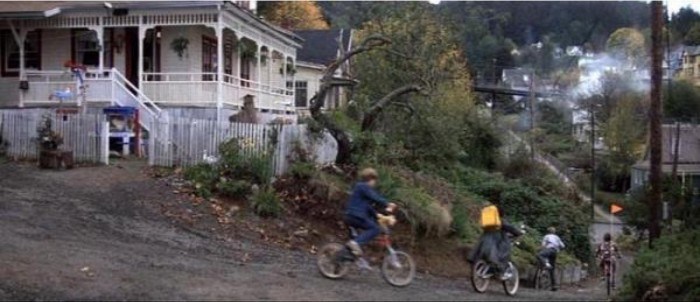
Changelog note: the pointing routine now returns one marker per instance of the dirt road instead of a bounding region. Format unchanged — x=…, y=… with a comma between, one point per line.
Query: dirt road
x=98, y=233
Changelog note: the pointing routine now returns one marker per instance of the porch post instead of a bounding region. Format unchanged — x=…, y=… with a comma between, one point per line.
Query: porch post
x=100, y=39
x=284, y=70
x=20, y=36
x=258, y=75
x=219, y=69
x=238, y=77
x=99, y=33
x=141, y=37
x=270, y=54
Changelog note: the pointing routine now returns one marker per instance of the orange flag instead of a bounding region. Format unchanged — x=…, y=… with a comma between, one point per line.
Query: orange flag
x=615, y=208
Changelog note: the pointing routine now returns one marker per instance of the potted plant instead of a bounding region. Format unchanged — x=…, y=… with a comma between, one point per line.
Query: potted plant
x=179, y=46
x=290, y=69
x=248, y=50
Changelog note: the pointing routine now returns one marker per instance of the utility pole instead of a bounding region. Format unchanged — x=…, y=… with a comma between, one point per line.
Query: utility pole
x=655, y=135
x=591, y=112
x=532, y=114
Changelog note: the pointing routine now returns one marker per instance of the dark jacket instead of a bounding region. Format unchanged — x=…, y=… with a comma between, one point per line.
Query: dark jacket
x=494, y=246
x=362, y=199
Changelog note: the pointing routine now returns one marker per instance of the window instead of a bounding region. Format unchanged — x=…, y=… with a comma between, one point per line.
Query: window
x=245, y=71
x=86, y=47
x=10, y=52
x=300, y=94
x=208, y=57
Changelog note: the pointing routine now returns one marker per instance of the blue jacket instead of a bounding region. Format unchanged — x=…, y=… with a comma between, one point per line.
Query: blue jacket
x=361, y=200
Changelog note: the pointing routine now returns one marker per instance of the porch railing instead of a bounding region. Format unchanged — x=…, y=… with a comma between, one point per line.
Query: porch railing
x=109, y=86
x=201, y=89
x=43, y=85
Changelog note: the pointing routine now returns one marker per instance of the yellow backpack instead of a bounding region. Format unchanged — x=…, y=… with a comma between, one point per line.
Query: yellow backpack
x=490, y=219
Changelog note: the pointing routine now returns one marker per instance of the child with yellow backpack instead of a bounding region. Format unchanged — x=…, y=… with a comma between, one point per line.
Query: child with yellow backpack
x=494, y=244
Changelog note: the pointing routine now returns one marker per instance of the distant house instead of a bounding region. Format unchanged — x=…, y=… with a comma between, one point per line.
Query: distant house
x=690, y=69
x=320, y=48
x=688, y=158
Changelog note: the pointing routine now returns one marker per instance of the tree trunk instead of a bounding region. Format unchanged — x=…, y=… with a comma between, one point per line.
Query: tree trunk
x=655, y=135
x=318, y=100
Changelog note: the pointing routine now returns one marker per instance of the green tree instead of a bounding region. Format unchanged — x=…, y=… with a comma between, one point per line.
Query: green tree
x=693, y=35
x=682, y=102
x=628, y=44
x=624, y=134
x=683, y=20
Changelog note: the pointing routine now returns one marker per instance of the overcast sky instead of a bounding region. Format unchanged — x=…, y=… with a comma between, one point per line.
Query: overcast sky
x=675, y=5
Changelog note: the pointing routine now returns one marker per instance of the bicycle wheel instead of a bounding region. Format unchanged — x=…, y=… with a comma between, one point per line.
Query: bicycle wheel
x=329, y=261
x=511, y=285
x=399, y=269
x=542, y=279
x=481, y=276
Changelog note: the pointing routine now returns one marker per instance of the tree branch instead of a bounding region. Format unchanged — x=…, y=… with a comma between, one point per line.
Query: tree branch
x=369, y=43
x=378, y=106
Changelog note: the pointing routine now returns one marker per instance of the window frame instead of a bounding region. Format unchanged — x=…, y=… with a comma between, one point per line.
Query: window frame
x=297, y=95
x=4, y=54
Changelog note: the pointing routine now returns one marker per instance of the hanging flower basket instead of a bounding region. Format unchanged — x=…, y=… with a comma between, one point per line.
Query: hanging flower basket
x=179, y=46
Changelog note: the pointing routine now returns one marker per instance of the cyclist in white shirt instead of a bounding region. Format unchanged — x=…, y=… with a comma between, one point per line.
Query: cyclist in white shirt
x=551, y=245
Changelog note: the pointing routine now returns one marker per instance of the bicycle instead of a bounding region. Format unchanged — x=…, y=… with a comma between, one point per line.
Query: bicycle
x=483, y=272
x=609, y=270
x=398, y=268
x=543, y=280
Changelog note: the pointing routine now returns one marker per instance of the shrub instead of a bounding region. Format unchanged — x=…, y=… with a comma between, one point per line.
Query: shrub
x=266, y=203
x=234, y=188
x=203, y=177
x=302, y=170
x=672, y=263
x=235, y=164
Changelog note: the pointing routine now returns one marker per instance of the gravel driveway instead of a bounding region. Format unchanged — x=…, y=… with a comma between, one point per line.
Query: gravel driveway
x=99, y=233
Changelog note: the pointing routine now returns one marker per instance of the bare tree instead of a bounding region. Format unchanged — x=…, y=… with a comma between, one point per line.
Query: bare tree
x=327, y=83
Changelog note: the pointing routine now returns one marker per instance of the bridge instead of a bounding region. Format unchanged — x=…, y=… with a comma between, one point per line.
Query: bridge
x=496, y=89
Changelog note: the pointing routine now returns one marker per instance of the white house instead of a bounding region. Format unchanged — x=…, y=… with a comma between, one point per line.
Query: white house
x=320, y=48
x=197, y=58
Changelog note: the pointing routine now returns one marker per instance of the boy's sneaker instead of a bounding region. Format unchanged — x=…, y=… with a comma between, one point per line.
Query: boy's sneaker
x=507, y=275
x=547, y=265
x=354, y=248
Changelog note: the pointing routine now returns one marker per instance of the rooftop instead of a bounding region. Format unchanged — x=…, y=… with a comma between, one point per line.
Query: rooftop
x=321, y=46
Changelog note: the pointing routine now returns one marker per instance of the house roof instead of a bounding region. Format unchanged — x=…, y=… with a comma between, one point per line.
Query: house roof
x=321, y=46
x=689, y=148
x=691, y=50
x=43, y=9
x=667, y=168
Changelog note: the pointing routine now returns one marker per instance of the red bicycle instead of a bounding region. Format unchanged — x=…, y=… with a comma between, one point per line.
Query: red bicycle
x=398, y=268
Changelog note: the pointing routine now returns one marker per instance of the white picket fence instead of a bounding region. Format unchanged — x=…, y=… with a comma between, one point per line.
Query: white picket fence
x=188, y=141
x=85, y=134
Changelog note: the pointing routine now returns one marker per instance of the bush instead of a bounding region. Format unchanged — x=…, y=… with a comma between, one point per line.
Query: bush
x=235, y=164
x=234, y=188
x=266, y=203
x=672, y=264
x=302, y=170
x=203, y=177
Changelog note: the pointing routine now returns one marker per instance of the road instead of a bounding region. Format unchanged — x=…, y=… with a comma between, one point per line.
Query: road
x=98, y=233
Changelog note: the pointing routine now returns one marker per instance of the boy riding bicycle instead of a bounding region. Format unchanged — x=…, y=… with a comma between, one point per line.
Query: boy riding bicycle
x=494, y=244
x=360, y=213
x=607, y=253
x=551, y=245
